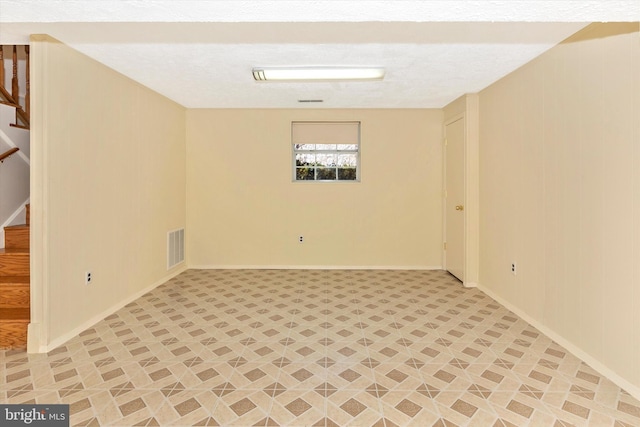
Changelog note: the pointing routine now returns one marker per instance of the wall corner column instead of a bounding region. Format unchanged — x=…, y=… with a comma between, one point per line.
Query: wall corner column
x=472, y=190
x=37, y=335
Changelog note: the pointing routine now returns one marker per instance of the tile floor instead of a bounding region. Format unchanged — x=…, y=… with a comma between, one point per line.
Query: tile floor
x=316, y=348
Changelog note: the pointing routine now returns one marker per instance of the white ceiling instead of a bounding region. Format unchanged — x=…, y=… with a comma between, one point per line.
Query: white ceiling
x=200, y=53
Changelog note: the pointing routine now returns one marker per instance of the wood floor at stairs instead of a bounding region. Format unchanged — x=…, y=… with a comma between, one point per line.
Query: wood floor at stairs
x=13, y=327
x=15, y=297
x=14, y=292
x=14, y=262
x=17, y=236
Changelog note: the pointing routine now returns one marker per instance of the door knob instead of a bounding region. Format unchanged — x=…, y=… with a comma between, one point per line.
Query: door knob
x=459, y=208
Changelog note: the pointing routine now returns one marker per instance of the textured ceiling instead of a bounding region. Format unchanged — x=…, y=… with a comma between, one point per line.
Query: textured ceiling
x=200, y=53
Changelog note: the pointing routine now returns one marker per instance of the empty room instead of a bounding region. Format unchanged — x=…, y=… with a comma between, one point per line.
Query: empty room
x=319, y=213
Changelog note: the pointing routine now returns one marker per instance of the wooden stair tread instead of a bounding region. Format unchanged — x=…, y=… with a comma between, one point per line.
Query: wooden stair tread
x=14, y=280
x=17, y=236
x=14, y=251
x=17, y=227
x=14, y=262
x=14, y=315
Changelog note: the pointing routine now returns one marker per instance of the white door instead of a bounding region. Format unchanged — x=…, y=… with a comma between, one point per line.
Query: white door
x=454, y=203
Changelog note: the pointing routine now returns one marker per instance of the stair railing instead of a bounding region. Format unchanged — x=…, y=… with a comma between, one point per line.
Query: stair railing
x=13, y=98
x=7, y=153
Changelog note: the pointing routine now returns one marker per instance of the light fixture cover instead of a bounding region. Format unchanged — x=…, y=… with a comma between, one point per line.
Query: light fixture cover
x=318, y=73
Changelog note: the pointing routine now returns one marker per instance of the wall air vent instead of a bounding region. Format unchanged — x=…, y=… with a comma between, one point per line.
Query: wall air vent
x=310, y=100
x=175, y=248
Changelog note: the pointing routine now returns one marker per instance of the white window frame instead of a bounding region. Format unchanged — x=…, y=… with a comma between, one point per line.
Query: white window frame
x=336, y=152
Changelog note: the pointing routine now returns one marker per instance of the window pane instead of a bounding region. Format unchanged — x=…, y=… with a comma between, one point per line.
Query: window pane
x=325, y=173
x=326, y=160
x=347, y=174
x=322, y=152
x=347, y=160
x=303, y=174
x=305, y=159
x=331, y=147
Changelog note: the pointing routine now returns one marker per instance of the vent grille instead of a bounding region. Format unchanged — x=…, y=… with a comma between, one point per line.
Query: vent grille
x=175, y=248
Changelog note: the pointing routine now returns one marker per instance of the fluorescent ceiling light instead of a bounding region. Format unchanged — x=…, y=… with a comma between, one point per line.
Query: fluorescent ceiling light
x=318, y=73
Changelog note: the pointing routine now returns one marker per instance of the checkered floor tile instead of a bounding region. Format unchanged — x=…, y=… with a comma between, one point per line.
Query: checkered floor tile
x=316, y=348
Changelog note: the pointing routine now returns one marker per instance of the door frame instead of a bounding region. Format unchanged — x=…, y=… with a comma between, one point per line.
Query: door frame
x=445, y=193
x=471, y=201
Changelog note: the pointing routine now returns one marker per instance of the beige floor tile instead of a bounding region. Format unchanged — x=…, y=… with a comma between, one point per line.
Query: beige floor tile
x=302, y=376
x=254, y=376
x=351, y=376
x=354, y=408
x=310, y=347
x=445, y=377
x=409, y=408
x=397, y=377
x=345, y=352
x=298, y=408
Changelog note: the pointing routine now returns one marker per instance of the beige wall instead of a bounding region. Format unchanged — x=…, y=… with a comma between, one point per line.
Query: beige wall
x=108, y=160
x=560, y=194
x=244, y=210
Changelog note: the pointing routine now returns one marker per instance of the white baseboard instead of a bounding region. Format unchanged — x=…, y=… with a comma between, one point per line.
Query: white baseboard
x=630, y=388
x=106, y=313
x=314, y=267
x=34, y=345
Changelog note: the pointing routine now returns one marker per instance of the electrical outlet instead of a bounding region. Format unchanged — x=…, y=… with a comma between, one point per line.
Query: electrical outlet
x=87, y=277
x=513, y=268
x=300, y=239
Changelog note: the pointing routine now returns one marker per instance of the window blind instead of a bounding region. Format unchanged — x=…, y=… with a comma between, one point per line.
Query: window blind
x=325, y=132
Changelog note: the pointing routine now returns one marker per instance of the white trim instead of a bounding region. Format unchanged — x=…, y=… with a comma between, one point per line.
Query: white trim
x=445, y=194
x=630, y=388
x=10, y=219
x=38, y=332
x=471, y=189
x=16, y=213
x=314, y=267
x=470, y=284
x=106, y=313
x=12, y=144
x=34, y=344
x=471, y=201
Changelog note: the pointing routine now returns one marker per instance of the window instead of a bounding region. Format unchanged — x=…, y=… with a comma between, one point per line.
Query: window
x=326, y=151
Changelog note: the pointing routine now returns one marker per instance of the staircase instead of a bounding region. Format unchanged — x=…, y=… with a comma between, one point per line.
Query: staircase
x=15, y=296
x=11, y=96
x=15, y=311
